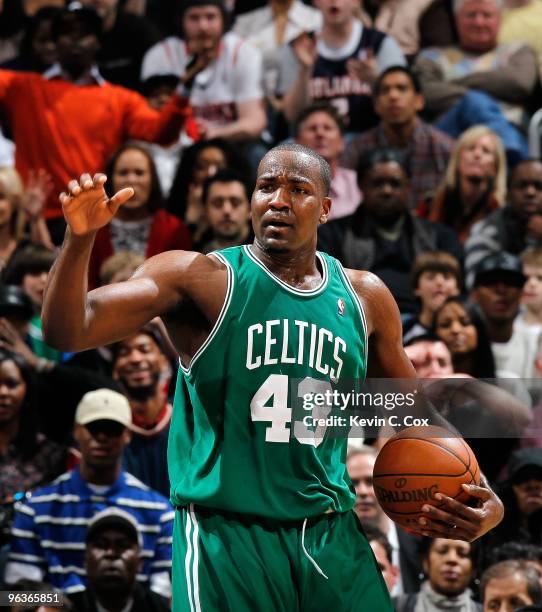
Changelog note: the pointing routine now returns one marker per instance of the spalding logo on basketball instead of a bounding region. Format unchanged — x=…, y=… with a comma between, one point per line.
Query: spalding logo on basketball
x=416, y=464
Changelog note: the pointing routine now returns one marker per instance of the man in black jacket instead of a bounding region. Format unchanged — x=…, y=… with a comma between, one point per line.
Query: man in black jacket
x=382, y=236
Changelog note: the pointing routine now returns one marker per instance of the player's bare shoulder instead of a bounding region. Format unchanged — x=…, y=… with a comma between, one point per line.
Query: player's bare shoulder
x=377, y=301
x=187, y=276
x=182, y=268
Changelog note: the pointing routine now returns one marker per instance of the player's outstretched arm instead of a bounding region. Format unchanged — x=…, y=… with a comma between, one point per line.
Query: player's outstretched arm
x=387, y=359
x=74, y=319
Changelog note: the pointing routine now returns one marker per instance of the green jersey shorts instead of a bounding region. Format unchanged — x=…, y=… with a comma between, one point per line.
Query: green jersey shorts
x=240, y=563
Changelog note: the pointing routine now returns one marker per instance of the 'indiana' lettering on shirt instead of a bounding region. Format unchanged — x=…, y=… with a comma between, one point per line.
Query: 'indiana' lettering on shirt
x=317, y=347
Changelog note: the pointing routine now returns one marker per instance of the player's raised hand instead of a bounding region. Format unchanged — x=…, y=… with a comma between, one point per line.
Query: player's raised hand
x=86, y=205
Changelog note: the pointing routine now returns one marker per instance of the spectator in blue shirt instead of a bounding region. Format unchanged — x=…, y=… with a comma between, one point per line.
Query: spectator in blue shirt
x=48, y=534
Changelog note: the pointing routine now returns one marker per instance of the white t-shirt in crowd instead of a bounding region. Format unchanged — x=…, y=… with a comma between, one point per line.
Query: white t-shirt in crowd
x=234, y=76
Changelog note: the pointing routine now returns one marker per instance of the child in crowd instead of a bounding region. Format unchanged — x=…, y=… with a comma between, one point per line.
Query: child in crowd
x=436, y=276
x=531, y=315
x=528, y=323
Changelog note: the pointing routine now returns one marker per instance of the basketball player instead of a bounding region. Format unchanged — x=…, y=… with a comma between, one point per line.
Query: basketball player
x=264, y=515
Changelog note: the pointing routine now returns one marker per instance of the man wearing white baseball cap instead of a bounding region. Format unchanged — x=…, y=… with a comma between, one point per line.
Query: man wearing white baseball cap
x=50, y=528
x=103, y=405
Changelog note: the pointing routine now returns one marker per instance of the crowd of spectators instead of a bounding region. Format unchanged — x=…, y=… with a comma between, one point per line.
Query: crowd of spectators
x=421, y=108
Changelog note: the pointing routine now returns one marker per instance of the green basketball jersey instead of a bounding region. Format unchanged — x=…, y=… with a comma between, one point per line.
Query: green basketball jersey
x=234, y=443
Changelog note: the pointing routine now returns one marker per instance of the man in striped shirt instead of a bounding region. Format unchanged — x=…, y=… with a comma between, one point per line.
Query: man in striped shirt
x=48, y=534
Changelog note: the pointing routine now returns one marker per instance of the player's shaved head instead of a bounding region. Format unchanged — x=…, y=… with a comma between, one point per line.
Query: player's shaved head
x=314, y=158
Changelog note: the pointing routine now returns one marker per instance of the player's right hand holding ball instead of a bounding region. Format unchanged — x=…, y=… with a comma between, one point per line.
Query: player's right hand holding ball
x=86, y=205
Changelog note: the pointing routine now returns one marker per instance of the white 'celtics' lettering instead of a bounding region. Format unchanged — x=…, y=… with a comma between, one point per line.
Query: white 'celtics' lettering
x=279, y=414
x=274, y=342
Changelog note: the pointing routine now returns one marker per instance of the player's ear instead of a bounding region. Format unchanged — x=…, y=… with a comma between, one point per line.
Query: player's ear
x=326, y=207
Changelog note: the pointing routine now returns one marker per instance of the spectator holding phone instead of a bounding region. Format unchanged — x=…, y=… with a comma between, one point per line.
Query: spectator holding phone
x=227, y=95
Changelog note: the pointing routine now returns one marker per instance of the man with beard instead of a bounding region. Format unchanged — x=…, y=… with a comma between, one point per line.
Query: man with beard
x=112, y=560
x=140, y=366
x=227, y=207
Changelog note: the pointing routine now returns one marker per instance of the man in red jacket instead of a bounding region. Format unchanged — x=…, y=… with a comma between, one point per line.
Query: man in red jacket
x=69, y=119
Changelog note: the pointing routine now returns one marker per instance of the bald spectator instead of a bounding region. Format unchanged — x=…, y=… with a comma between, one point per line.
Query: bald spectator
x=480, y=80
x=141, y=367
x=382, y=235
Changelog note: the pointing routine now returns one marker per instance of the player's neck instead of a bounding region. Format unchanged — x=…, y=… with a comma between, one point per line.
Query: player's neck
x=298, y=269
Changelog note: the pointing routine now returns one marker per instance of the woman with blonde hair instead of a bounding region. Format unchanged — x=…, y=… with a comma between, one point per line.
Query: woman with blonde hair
x=474, y=184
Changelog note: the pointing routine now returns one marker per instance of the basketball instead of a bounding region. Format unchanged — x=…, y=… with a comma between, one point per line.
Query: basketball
x=416, y=464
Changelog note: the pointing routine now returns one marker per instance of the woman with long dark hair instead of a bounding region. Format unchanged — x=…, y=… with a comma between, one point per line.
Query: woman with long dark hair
x=486, y=414
x=141, y=225
x=460, y=326
x=27, y=458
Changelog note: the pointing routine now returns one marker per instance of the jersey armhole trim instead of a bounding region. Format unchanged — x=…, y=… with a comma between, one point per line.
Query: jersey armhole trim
x=223, y=311
x=359, y=305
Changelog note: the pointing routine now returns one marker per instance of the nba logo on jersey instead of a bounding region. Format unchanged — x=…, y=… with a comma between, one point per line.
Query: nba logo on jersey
x=340, y=307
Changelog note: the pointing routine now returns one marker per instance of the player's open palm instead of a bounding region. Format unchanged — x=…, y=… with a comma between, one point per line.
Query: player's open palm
x=86, y=205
